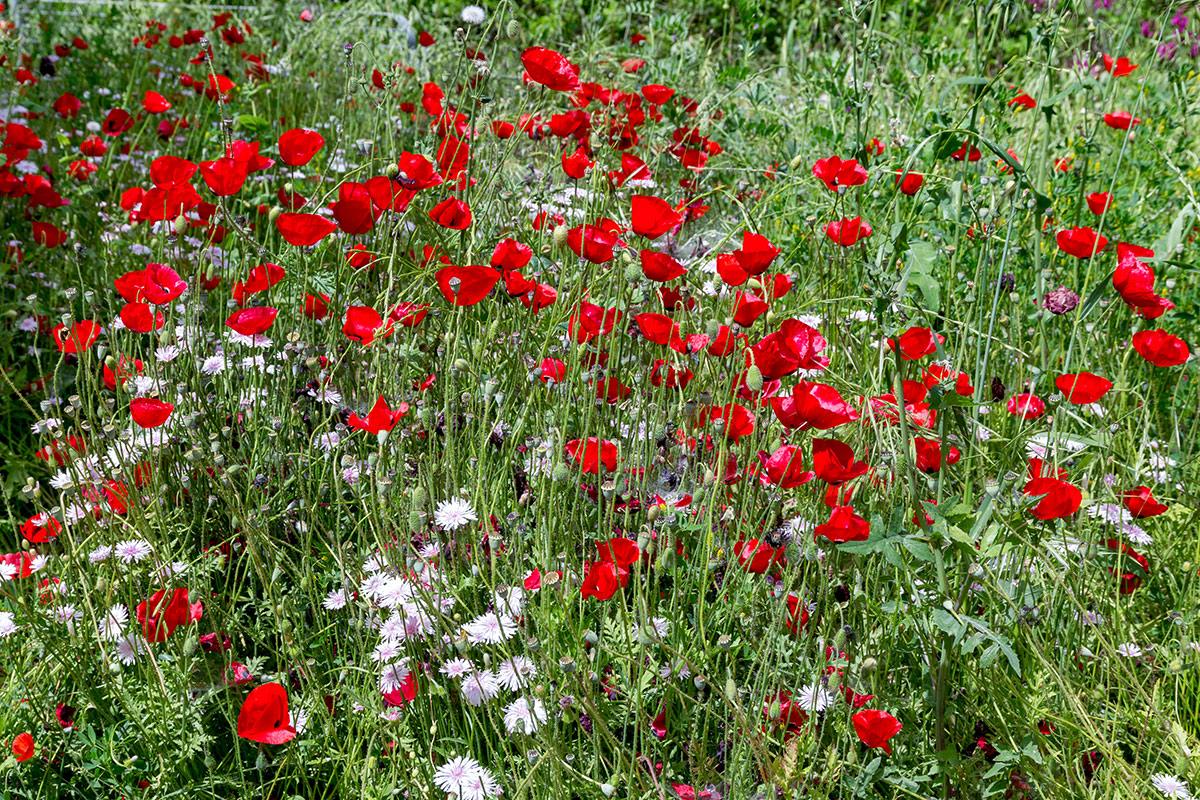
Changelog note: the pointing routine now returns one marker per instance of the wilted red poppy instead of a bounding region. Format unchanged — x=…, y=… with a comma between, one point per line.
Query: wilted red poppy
x=304, y=230
x=875, y=728
x=551, y=69
x=380, y=418
x=1080, y=242
x=79, y=338
x=1141, y=502
x=847, y=232
x=784, y=468
x=264, y=716
x=452, y=213
x=756, y=557
x=1026, y=406
x=409, y=314
x=252, y=321
x=592, y=454
x=363, y=324
x=916, y=343
x=652, y=217
x=161, y=614
x=844, y=526
x=149, y=412
x=299, y=145
x=1082, y=388
x=466, y=286
x=1160, y=348
x=22, y=746
x=1059, y=498
x=838, y=174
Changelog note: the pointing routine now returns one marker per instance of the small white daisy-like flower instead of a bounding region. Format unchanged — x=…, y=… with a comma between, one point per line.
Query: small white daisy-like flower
x=457, y=668
x=1171, y=786
x=167, y=353
x=1130, y=650
x=393, y=676
x=131, y=551
x=8, y=571
x=385, y=651
x=129, y=648
x=453, y=514
x=370, y=586
x=815, y=698
x=454, y=776
x=335, y=600
x=67, y=614
x=8, y=624
x=490, y=628
x=429, y=550
x=101, y=553
x=480, y=686
x=524, y=716
x=515, y=672
x=112, y=627
x=328, y=441
x=38, y=563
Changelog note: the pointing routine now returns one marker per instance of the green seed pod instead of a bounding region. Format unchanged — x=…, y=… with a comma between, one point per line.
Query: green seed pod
x=560, y=236
x=754, y=378
x=391, y=170
x=275, y=212
x=560, y=472
x=415, y=522
x=513, y=30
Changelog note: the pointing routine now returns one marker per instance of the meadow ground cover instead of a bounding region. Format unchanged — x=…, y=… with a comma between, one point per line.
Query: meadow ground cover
x=616, y=400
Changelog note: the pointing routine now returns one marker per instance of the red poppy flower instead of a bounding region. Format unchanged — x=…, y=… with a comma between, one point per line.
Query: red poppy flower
x=652, y=217
x=844, y=526
x=1082, y=388
x=452, y=213
x=48, y=235
x=403, y=694
x=553, y=370
x=363, y=324
x=784, y=468
x=1026, y=406
x=756, y=557
x=511, y=255
x=304, y=230
x=833, y=461
x=1080, y=242
x=409, y=314
x=141, y=317
x=67, y=106
x=252, y=321
x=551, y=69
x=1129, y=579
x=738, y=420
x=756, y=253
x=837, y=174
x=930, y=457
x=910, y=183
x=1160, y=348
x=592, y=454
x=466, y=286
x=149, y=412
x=1121, y=120
x=577, y=163
x=1134, y=280
x=937, y=374
x=1099, y=202
x=380, y=418
x=1141, y=502
x=1118, y=67
x=847, y=232
x=793, y=347
x=1059, y=498
x=161, y=614
x=155, y=103
x=593, y=243
x=264, y=716
x=968, y=152
x=118, y=121
x=22, y=746
x=661, y=267
x=224, y=177
x=875, y=728
x=316, y=306
x=299, y=145
x=162, y=284
x=611, y=390
x=813, y=405
x=916, y=343
x=40, y=528
x=1023, y=100
x=601, y=581
x=79, y=338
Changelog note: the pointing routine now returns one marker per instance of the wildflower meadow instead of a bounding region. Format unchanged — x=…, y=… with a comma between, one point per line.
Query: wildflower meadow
x=743, y=400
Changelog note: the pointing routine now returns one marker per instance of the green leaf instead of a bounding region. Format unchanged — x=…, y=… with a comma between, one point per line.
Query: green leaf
x=252, y=124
